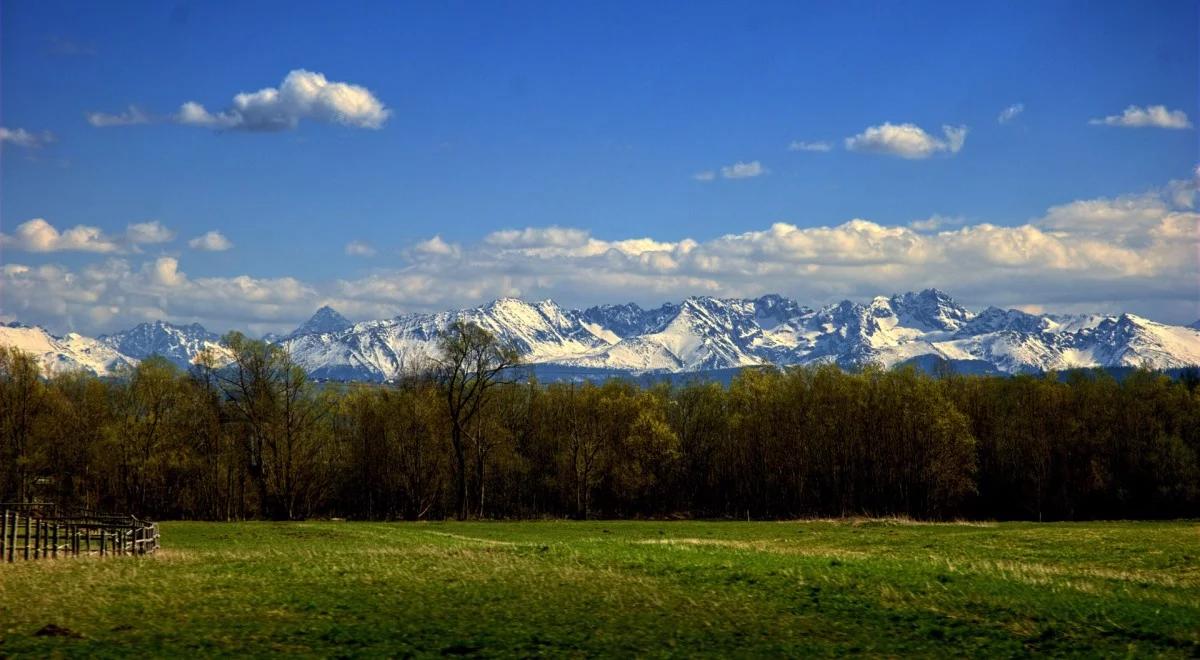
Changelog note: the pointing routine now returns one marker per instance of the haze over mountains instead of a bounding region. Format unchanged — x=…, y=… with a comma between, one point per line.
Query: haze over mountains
x=699, y=334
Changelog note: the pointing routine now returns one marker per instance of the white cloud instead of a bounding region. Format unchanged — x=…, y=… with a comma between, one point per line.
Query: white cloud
x=211, y=241
x=1153, y=116
x=799, y=145
x=130, y=117
x=553, y=236
x=438, y=247
x=38, y=235
x=1010, y=113
x=113, y=294
x=164, y=271
x=1132, y=253
x=360, y=249
x=706, y=175
x=143, y=233
x=23, y=138
x=907, y=140
x=740, y=170
x=301, y=95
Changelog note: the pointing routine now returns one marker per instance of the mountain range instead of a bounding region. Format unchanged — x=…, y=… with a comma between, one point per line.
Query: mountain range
x=697, y=335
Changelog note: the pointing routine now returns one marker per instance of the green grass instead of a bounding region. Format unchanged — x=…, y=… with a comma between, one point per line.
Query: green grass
x=621, y=588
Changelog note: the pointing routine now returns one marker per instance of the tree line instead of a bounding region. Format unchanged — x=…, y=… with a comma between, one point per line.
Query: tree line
x=471, y=435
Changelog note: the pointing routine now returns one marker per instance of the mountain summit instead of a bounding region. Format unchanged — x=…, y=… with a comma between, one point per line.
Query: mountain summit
x=324, y=320
x=700, y=333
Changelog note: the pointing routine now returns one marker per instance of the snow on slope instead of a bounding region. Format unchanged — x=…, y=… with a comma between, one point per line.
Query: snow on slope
x=701, y=333
x=181, y=344
x=71, y=352
x=543, y=332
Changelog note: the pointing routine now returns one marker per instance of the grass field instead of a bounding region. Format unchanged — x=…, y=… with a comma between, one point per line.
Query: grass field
x=620, y=588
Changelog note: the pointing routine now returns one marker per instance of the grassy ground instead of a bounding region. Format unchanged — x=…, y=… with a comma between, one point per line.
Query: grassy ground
x=621, y=588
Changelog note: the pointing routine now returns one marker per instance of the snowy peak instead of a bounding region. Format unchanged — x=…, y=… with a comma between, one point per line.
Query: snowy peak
x=325, y=320
x=773, y=309
x=536, y=329
x=181, y=344
x=697, y=334
x=994, y=319
x=628, y=320
x=929, y=310
x=71, y=352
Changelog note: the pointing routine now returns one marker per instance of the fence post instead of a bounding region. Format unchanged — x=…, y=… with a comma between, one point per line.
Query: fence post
x=26, y=538
x=3, y=534
x=12, y=536
x=54, y=546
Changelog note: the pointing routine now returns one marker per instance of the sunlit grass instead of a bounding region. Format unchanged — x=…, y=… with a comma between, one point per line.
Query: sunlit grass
x=621, y=588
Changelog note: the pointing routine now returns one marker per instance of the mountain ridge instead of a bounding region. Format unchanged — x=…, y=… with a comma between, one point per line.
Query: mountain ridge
x=700, y=333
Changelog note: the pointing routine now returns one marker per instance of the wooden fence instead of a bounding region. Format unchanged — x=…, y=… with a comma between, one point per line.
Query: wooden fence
x=45, y=531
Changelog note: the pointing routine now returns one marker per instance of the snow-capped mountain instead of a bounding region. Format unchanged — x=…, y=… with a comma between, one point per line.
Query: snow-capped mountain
x=698, y=334
x=543, y=332
x=704, y=333
x=70, y=352
x=180, y=344
x=325, y=320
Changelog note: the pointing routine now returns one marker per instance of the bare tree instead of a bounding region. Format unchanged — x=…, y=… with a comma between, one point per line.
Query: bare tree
x=471, y=363
x=274, y=399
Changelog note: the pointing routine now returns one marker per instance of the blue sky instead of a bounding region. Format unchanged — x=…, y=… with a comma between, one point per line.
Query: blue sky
x=596, y=117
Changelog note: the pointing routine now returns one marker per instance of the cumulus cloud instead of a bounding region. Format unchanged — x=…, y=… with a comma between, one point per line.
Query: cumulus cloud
x=164, y=272
x=1133, y=253
x=130, y=117
x=1151, y=116
x=360, y=249
x=23, y=138
x=1126, y=253
x=740, y=170
x=211, y=241
x=436, y=246
x=553, y=236
x=800, y=145
x=116, y=293
x=1010, y=113
x=144, y=233
x=301, y=95
x=907, y=140
x=38, y=235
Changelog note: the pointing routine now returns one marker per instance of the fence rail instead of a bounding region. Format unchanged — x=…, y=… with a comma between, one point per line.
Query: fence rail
x=42, y=530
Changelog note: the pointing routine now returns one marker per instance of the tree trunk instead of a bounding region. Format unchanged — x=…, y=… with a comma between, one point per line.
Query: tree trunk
x=460, y=474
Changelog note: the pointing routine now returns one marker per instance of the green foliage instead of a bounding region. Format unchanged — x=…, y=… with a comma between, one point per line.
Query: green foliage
x=461, y=438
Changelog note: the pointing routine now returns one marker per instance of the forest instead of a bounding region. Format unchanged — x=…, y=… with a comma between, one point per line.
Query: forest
x=470, y=435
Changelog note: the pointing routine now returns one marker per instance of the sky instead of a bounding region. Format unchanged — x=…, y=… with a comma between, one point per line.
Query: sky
x=241, y=164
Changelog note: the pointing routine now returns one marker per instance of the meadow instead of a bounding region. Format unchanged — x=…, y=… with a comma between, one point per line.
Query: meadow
x=880, y=587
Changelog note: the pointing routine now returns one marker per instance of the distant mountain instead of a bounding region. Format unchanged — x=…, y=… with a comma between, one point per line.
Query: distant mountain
x=701, y=334
x=70, y=352
x=705, y=333
x=180, y=344
x=325, y=320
